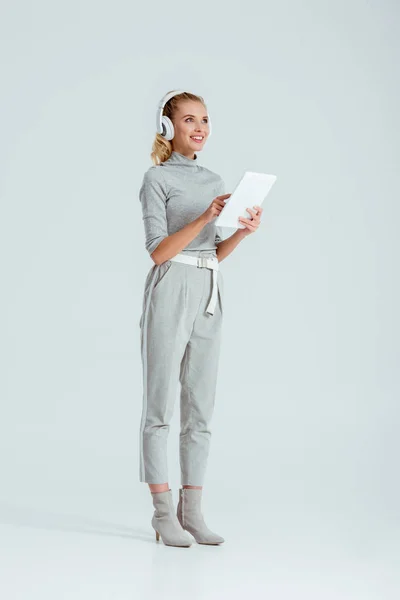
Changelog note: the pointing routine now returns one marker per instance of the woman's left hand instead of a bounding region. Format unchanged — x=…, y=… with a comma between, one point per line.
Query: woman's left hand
x=253, y=223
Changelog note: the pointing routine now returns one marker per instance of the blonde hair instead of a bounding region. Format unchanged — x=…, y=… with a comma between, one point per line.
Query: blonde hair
x=162, y=148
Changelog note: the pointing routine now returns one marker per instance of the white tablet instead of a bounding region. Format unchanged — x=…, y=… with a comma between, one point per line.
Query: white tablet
x=252, y=189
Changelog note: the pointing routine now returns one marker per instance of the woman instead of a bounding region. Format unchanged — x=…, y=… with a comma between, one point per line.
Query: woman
x=182, y=311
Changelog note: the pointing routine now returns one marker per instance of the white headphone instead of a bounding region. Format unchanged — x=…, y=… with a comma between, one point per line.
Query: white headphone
x=164, y=125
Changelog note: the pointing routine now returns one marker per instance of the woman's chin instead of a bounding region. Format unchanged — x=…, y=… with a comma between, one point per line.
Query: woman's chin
x=196, y=147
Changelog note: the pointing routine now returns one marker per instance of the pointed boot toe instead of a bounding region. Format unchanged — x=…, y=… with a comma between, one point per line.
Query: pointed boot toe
x=191, y=518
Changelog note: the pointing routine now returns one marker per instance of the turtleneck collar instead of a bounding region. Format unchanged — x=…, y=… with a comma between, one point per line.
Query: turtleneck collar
x=179, y=159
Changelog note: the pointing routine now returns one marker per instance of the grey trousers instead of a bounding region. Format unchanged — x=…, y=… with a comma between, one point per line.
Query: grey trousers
x=180, y=343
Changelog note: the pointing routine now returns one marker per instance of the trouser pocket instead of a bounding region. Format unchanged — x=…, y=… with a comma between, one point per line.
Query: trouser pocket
x=161, y=275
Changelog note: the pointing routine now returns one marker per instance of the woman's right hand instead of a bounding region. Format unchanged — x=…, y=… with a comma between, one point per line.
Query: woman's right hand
x=215, y=208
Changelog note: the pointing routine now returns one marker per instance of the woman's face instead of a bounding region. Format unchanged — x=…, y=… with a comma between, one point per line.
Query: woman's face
x=190, y=121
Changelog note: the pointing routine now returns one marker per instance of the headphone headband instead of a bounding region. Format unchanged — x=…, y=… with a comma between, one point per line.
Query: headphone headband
x=168, y=96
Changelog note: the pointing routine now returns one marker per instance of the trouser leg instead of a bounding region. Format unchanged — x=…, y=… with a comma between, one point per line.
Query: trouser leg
x=198, y=378
x=169, y=310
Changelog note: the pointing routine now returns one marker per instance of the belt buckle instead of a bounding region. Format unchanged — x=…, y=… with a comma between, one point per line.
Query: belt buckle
x=202, y=261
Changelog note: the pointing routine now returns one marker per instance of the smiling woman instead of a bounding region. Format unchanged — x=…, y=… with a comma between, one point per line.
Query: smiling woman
x=185, y=120
x=182, y=313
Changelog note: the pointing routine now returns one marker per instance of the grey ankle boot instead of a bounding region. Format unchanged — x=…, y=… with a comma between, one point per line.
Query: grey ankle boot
x=165, y=521
x=191, y=518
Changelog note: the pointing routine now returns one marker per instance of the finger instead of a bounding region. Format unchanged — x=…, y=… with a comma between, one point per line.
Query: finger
x=252, y=225
x=220, y=203
x=258, y=209
x=223, y=196
x=255, y=217
x=249, y=226
x=252, y=212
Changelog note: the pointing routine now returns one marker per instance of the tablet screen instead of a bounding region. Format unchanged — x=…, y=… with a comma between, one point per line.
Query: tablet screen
x=252, y=189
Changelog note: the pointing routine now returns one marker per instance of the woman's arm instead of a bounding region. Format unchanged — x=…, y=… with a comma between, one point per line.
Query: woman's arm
x=227, y=246
x=174, y=243
x=159, y=244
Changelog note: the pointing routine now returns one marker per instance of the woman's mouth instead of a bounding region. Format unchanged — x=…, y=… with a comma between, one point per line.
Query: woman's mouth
x=197, y=138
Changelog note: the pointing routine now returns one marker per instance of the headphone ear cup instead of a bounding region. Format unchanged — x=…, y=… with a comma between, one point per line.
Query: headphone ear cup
x=168, y=128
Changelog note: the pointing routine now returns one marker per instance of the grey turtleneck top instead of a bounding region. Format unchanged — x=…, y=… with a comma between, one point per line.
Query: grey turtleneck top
x=173, y=194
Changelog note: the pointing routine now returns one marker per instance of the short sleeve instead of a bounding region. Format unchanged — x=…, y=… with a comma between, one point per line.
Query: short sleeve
x=219, y=236
x=152, y=196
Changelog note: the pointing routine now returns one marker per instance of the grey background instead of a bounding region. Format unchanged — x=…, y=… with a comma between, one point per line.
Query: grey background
x=304, y=459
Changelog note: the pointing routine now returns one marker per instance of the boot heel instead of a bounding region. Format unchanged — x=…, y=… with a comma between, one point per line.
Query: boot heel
x=157, y=536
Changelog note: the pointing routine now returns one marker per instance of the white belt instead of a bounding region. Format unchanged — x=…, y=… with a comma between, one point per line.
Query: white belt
x=208, y=262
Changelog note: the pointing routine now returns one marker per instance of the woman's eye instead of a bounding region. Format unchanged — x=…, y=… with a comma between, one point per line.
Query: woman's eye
x=191, y=119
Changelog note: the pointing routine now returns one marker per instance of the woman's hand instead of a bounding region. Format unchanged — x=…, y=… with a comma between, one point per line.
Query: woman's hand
x=253, y=223
x=215, y=208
